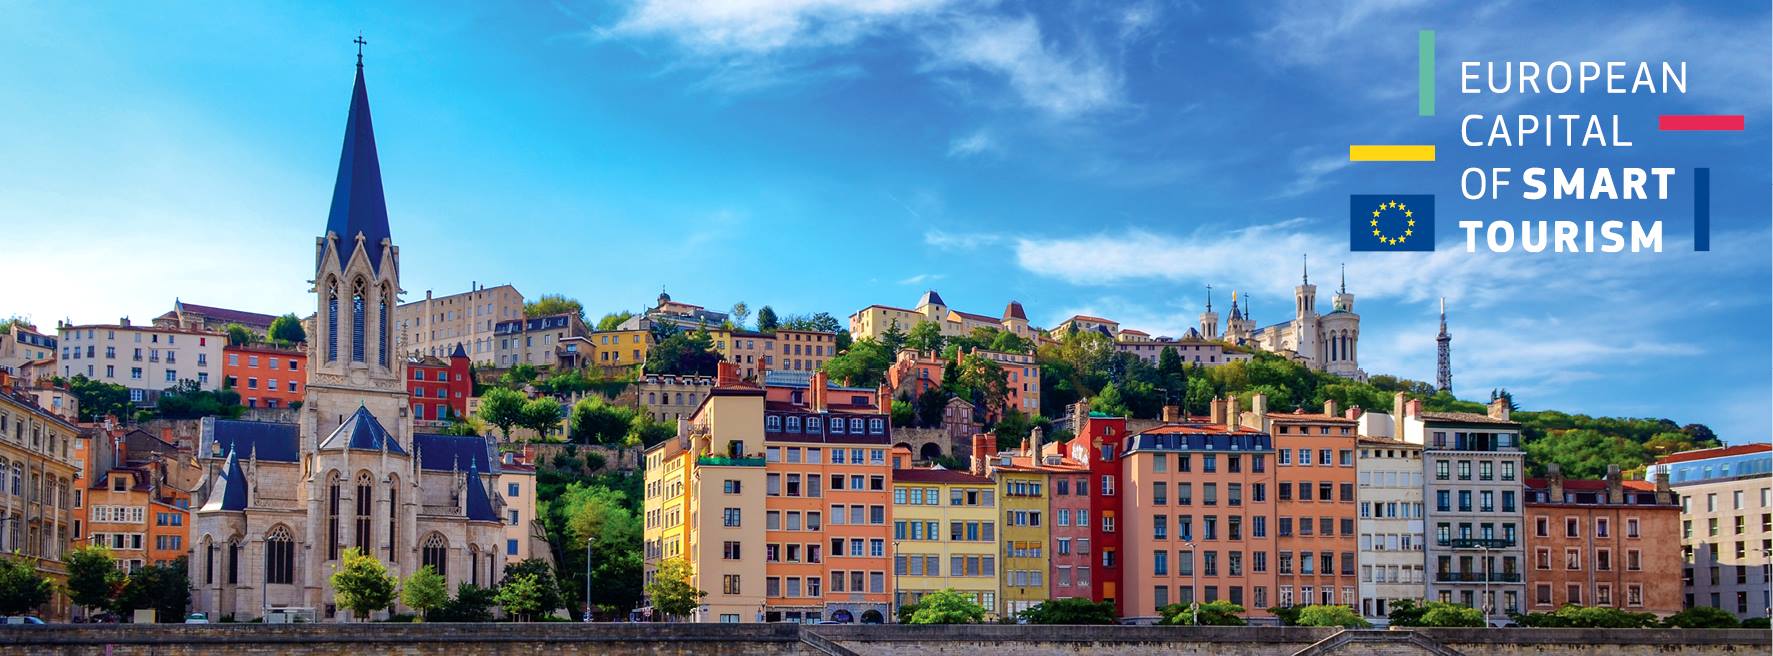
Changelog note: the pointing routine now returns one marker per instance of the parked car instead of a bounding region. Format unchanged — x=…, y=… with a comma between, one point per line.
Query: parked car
x=197, y=618
x=21, y=619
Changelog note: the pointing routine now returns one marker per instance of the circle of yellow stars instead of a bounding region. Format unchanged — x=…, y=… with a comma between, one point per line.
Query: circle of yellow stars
x=1409, y=223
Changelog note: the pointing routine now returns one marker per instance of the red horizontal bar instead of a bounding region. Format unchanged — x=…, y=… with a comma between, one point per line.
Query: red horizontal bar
x=1700, y=122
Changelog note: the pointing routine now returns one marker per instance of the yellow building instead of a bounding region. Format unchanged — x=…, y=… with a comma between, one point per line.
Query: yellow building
x=1022, y=578
x=36, y=511
x=945, y=535
x=620, y=348
x=703, y=501
x=748, y=350
x=876, y=320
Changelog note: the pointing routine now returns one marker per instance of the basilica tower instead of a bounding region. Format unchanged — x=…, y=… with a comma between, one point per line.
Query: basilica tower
x=1209, y=320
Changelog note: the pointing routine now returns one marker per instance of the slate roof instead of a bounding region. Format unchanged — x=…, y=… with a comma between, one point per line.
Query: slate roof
x=363, y=432
x=480, y=507
x=931, y=298
x=230, y=487
x=272, y=441
x=453, y=452
x=357, y=202
x=224, y=314
x=1014, y=311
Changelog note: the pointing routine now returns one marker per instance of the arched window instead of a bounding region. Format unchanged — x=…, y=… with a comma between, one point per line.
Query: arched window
x=382, y=303
x=474, y=564
x=436, y=554
x=279, y=556
x=208, y=562
x=332, y=320
x=393, y=515
x=357, y=319
x=365, y=497
x=233, y=561
x=332, y=517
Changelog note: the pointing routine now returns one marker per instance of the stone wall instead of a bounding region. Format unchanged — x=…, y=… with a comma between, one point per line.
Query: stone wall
x=891, y=640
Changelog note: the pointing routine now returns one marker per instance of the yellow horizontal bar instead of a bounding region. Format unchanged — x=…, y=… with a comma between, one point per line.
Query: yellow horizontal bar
x=1391, y=153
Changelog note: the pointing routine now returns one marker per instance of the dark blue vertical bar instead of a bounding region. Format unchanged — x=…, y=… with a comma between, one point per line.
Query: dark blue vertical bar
x=1702, y=209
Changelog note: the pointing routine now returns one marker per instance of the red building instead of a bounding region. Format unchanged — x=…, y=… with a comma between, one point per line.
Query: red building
x=439, y=390
x=1098, y=445
x=266, y=376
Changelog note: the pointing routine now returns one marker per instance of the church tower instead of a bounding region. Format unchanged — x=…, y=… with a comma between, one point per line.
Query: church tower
x=353, y=360
x=1307, y=342
x=1209, y=320
x=1341, y=334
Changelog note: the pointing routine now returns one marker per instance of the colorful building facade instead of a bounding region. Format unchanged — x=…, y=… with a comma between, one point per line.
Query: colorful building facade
x=266, y=376
x=1602, y=543
x=437, y=389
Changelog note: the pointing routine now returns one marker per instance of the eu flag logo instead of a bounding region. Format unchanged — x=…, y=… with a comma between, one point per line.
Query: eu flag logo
x=1391, y=222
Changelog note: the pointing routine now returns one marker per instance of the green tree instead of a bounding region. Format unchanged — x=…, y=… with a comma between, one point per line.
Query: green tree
x=541, y=415
x=947, y=606
x=22, y=588
x=1443, y=614
x=362, y=584
x=99, y=399
x=239, y=335
x=931, y=405
x=1071, y=610
x=985, y=383
x=519, y=375
x=1321, y=615
x=502, y=408
x=685, y=354
x=1110, y=402
x=670, y=589
x=552, y=304
x=904, y=414
x=164, y=588
x=766, y=319
x=520, y=596
x=1576, y=616
x=863, y=365
x=613, y=320
x=472, y=603
x=893, y=339
x=925, y=338
x=1583, y=453
x=541, y=577
x=596, y=421
x=185, y=400
x=610, y=520
x=1406, y=612
x=424, y=591
x=1701, y=617
x=740, y=313
x=1762, y=623
x=1212, y=613
x=287, y=329
x=93, y=576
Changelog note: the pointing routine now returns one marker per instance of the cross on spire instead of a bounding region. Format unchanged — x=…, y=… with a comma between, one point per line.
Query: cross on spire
x=1305, y=268
x=360, y=43
x=1209, y=298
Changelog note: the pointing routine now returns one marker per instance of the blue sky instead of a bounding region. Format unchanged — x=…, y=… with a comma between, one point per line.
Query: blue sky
x=1085, y=157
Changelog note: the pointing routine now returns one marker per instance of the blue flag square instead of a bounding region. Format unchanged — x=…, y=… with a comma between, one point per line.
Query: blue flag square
x=1391, y=222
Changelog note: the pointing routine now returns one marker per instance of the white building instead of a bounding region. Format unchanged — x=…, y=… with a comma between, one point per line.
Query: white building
x=145, y=359
x=1390, y=493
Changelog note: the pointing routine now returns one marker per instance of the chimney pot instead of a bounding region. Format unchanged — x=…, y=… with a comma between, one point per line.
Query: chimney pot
x=1216, y=411
x=1499, y=409
x=1231, y=414
x=1330, y=407
x=1172, y=414
x=983, y=445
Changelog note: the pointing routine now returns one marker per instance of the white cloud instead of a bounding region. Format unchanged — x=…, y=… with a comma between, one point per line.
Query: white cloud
x=977, y=142
x=1063, y=84
x=960, y=241
x=757, y=27
x=922, y=278
x=1312, y=173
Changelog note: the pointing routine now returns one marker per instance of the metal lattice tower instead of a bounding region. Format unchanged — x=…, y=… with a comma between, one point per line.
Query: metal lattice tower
x=1444, y=346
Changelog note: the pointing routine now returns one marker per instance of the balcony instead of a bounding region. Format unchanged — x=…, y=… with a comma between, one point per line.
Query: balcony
x=721, y=461
x=1477, y=577
x=1480, y=543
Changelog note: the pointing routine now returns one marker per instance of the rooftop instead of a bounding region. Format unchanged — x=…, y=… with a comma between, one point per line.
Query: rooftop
x=938, y=475
x=1715, y=452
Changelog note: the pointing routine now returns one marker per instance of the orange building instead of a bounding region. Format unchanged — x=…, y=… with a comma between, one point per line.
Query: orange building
x=828, y=504
x=266, y=376
x=1198, y=515
x=1316, y=510
x=1603, y=543
x=135, y=496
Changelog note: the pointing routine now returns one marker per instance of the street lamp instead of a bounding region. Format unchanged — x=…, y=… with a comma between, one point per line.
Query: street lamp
x=587, y=578
x=1485, y=547
x=1193, y=587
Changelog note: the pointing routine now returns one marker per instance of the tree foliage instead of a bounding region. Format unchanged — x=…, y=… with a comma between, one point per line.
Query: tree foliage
x=1212, y=613
x=1702, y=617
x=670, y=589
x=947, y=606
x=520, y=596
x=596, y=421
x=613, y=320
x=424, y=591
x=22, y=587
x=239, y=335
x=1331, y=615
x=546, y=593
x=541, y=415
x=552, y=304
x=1575, y=616
x=864, y=364
x=93, y=576
x=185, y=400
x=164, y=588
x=471, y=603
x=683, y=353
x=361, y=583
x=98, y=399
x=287, y=329
x=1071, y=610
x=502, y=408
x=766, y=319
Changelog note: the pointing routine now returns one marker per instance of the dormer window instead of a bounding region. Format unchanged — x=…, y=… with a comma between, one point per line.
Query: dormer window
x=773, y=423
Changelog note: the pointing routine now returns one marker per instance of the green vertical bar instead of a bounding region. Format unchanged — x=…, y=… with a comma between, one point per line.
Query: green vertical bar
x=1425, y=73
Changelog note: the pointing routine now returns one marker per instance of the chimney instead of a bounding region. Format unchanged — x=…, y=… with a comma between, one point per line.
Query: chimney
x=1413, y=408
x=817, y=388
x=123, y=321
x=1034, y=440
x=1397, y=414
x=1499, y=409
x=1172, y=414
x=1259, y=408
x=1330, y=409
x=726, y=374
x=1216, y=412
x=1554, y=476
x=883, y=399
x=1353, y=412
x=1615, y=486
x=983, y=445
x=1231, y=412
x=1664, y=495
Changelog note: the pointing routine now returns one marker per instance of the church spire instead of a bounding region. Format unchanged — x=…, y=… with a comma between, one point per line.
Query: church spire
x=1343, y=288
x=1209, y=298
x=357, y=203
x=1304, y=269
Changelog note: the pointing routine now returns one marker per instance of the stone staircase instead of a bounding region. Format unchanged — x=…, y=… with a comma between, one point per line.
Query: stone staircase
x=1374, y=642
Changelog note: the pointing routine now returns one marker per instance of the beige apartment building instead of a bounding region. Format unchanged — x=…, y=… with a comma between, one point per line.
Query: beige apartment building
x=36, y=511
x=145, y=359
x=436, y=324
x=539, y=341
x=525, y=537
x=666, y=397
x=21, y=343
x=801, y=350
x=1726, y=499
x=748, y=350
